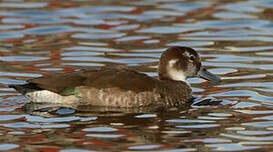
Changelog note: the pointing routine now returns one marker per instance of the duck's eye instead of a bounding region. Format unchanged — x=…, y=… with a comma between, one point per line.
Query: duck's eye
x=192, y=58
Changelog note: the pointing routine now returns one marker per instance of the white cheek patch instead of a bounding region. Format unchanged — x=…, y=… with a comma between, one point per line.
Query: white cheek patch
x=177, y=75
x=172, y=62
x=173, y=73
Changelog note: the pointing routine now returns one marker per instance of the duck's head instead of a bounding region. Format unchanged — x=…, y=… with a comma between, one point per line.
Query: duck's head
x=179, y=63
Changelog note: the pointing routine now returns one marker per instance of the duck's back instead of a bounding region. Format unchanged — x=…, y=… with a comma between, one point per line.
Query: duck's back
x=107, y=87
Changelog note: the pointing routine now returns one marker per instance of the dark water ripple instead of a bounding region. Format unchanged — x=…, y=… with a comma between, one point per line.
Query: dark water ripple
x=234, y=39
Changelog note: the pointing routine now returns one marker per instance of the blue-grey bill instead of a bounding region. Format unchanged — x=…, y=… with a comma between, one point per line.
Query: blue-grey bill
x=205, y=74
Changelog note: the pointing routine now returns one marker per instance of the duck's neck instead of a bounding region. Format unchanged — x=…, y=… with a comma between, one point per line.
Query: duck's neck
x=180, y=78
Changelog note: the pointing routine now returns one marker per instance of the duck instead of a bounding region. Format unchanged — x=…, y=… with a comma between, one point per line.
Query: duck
x=122, y=87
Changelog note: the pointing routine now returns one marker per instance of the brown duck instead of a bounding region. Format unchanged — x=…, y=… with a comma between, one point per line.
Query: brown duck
x=122, y=87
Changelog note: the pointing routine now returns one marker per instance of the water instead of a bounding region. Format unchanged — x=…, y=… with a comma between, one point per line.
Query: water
x=234, y=39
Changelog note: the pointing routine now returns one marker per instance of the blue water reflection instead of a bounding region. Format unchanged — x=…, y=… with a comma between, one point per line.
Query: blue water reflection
x=234, y=39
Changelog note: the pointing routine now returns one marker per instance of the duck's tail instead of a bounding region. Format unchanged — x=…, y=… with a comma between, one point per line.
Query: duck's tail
x=25, y=88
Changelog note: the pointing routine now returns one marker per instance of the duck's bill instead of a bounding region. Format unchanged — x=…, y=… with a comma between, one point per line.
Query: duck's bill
x=205, y=74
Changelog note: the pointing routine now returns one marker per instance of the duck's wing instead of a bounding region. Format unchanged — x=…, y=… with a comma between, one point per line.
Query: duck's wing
x=57, y=82
x=98, y=78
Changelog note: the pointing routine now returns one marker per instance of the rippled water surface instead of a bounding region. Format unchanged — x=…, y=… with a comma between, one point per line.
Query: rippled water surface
x=234, y=38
